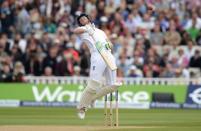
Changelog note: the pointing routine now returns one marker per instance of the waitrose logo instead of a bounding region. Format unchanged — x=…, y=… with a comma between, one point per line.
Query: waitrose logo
x=62, y=94
x=58, y=94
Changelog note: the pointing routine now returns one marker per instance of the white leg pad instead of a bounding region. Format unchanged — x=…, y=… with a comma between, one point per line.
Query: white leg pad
x=105, y=90
x=88, y=94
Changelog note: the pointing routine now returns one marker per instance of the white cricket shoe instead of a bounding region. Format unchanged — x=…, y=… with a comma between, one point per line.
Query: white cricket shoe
x=118, y=84
x=81, y=113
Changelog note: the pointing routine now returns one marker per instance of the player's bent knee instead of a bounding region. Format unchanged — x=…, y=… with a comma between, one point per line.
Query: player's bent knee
x=92, y=86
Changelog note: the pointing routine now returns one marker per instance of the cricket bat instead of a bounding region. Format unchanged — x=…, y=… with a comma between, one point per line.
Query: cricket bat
x=106, y=54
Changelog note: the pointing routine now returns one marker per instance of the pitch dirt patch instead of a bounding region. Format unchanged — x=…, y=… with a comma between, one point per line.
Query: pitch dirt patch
x=65, y=128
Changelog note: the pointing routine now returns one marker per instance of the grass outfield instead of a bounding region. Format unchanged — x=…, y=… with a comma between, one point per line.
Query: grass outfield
x=60, y=119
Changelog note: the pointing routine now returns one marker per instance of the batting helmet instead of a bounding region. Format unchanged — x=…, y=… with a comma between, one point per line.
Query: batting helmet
x=80, y=16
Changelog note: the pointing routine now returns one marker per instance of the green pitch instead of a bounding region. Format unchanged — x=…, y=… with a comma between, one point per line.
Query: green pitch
x=136, y=120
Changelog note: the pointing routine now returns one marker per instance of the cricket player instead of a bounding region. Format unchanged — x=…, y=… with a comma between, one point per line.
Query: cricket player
x=102, y=64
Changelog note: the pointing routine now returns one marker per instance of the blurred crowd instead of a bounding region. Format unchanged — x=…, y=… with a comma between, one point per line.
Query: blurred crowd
x=36, y=37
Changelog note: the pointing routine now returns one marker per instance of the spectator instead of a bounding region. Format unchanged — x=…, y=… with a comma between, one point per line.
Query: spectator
x=172, y=37
x=18, y=72
x=194, y=21
x=183, y=59
x=129, y=38
x=76, y=70
x=146, y=25
x=156, y=37
x=167, y=71
x=138, y=59
x=164, y=60
x=5, y=43
x=195, y=60
x=110, y=7
x=193, y=31
x=152, y=52
x=61, y=37
x=164, y=23
x=136, y=17
x=49, y=26
x=16, y=53
x=117, y=43
x=7, y=17
x=151, y=69
x=66, y=65
x=190, y=49
x=185, y=38
x=117, y=25
x=100, y=5
x=89, y=6
x=23, y=23
x=48, y=71
x=130, y=24
x=123, y=64
x=35, y=19
x=20, y=42
x=5, y=73
x=198, y=39
x=45, y=42
x=2, y=51
x=51, y=60
x=135, y=72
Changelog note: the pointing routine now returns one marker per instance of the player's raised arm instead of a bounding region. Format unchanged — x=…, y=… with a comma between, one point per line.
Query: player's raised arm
x=82, y=20
x=79, y=30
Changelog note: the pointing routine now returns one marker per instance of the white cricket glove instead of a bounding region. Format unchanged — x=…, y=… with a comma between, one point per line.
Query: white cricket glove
x=90, y=28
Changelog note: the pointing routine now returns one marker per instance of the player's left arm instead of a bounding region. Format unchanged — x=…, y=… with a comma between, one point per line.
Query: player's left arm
x=79, y=30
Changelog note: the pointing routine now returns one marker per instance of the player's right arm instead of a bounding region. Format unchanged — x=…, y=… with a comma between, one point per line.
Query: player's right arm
x=79, y=30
